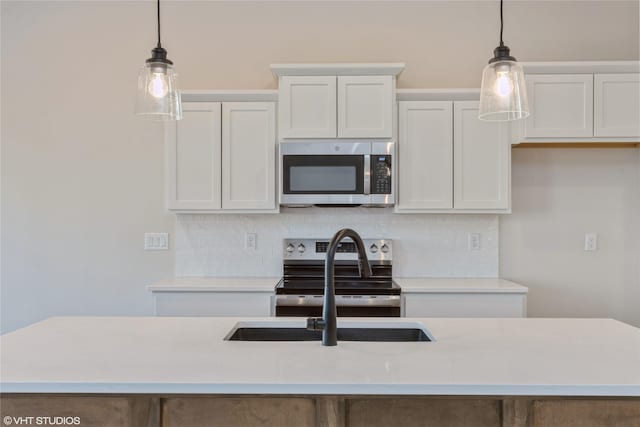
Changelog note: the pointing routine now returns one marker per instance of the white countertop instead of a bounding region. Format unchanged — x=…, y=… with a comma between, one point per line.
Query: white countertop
x=268, y=284
x=216, y=284
x=458, y=285
x=592, y=357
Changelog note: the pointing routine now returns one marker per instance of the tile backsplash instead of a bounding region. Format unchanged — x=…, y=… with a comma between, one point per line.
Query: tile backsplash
x=423, y=245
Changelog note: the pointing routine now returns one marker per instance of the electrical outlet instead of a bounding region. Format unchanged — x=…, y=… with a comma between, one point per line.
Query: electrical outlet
x=156, y=241
x=591, y=242
x=250, y=241
x=475, y=241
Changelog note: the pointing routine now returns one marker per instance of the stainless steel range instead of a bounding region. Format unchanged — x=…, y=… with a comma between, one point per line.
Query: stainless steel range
x=300, y=291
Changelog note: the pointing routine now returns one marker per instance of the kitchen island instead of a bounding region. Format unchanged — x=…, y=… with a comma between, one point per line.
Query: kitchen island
x=181, y=372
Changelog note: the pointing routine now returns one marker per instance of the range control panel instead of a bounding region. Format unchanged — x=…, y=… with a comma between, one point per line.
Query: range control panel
x=310, y=249
x=381, y=174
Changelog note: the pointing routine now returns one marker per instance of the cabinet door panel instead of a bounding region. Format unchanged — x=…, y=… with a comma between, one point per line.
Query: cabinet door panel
x=561, y=105
x=193, y=158
x=425, y=150
x=482, y=160
x=365, y=106
x=617, y=105
x=248, y=155
x=307, y=107
x=465, y=305
x=212, y=304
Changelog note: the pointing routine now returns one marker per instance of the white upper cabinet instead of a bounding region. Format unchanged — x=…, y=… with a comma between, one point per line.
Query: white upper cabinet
x=248, y=155
x=336, y=107
x=451, y=161
x=616, y=105
x=307, y=107
x=561, y=105
x=425, y=150
x=582, y=102
x=193, y=158
x=365, y=106
x=482, y=160
x=221, y=158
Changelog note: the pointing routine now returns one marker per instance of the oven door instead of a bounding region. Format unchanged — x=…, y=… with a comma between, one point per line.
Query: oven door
x=346, y=305
x=325, y=173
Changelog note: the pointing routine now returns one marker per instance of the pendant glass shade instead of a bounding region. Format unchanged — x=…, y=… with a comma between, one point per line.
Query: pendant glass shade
x=503, y=94
x=158, y=96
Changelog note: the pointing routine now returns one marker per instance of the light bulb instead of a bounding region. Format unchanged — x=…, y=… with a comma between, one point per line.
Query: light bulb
x=504, y=85
x=158, y=86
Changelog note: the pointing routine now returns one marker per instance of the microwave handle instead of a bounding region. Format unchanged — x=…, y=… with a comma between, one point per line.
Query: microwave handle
x=367, y=174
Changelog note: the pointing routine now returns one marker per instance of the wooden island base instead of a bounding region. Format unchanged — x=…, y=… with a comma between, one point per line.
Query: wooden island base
x=324, y=411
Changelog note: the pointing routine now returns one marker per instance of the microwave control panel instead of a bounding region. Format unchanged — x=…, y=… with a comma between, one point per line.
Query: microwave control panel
x=380, y=174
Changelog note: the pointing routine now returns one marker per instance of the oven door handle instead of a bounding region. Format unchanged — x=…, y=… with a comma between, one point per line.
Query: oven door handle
x=367, y=175
x=341, y=300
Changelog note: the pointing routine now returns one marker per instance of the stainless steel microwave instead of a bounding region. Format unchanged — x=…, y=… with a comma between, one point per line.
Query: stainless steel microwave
x=337, y=173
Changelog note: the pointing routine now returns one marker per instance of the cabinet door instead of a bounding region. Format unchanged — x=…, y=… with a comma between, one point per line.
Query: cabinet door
x=307, y=107
x=561, y=105
x=193, y=158
x=616, y=105
x=212, y=303
x=248, y=155
x=465, y=305
x=365, y=106
x=482, y=160
x=425, y=150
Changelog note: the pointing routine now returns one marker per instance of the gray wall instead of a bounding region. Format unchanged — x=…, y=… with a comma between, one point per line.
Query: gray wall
x=558, y=196
x=82, y=178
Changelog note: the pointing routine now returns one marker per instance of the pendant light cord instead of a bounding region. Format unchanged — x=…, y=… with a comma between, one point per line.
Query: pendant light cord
x=158, y=7
x=501, y=25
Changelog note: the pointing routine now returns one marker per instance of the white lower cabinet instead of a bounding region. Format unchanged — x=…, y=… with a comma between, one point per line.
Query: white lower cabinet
x=465, y=305
x=221, y=158
x=213, y=303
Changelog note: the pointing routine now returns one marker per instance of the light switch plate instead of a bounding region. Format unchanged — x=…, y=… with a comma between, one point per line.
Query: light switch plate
x=156, y=241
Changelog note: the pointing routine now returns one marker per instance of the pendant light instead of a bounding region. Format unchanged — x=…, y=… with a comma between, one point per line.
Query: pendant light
x=158, y=96
x=503, y=93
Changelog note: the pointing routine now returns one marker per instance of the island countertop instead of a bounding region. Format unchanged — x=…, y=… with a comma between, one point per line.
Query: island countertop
x=165, y=355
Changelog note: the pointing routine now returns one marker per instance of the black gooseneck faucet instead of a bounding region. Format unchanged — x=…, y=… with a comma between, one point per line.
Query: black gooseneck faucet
x=328, y=323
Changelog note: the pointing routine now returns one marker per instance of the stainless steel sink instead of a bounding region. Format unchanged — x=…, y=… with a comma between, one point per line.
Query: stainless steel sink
x=372, y=331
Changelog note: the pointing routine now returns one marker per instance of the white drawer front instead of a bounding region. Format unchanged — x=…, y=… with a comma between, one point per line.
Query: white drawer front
x=212, y=303
x=465, y=305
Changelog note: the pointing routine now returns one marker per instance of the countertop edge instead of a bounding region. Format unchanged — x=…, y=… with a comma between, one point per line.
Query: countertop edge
x=215, y=284
x=316, y=389
x=459, y=285
x=182, y=288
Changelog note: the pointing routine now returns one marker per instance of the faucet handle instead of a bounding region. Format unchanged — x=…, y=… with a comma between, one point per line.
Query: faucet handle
x=315, y=324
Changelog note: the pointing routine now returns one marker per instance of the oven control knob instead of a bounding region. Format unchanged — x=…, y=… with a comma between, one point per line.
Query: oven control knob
x=373, y=248
x=301, y=248
x=290, y=248
x=384, y=248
